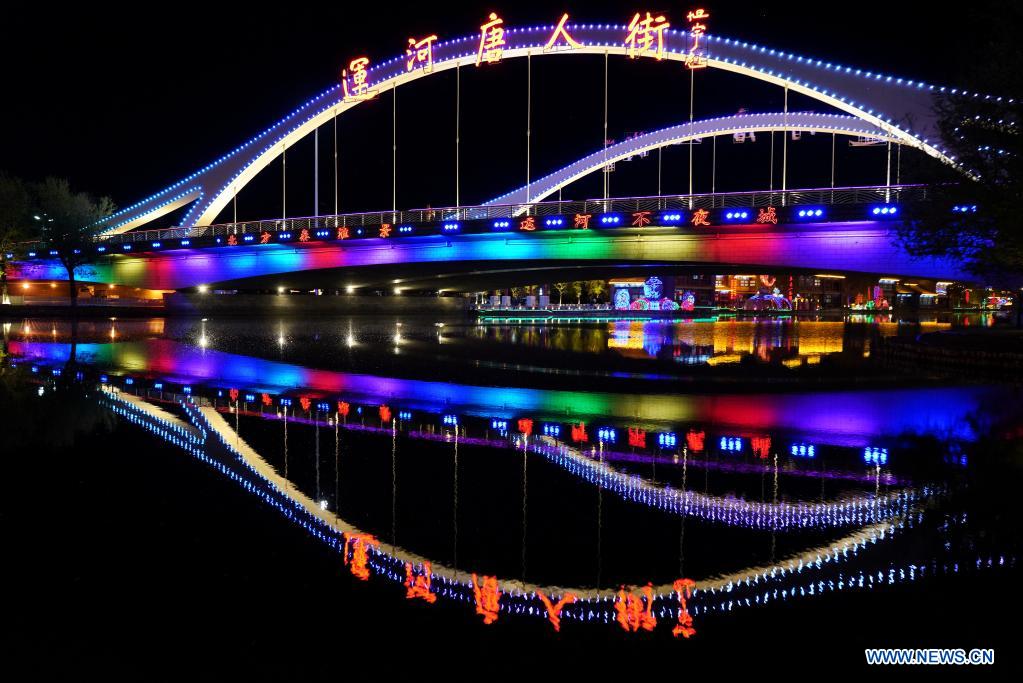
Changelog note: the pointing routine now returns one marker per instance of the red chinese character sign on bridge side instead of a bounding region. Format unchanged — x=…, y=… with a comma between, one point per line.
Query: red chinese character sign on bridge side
x=582, y=221
x=492, y=42
x=646, y=36
x=528, y=224
x=768, y=215
x=640, y=218
x=343, y=232
x=700, y=217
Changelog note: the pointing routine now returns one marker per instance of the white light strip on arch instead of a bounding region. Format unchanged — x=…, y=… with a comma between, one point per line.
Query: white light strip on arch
x=880, y=101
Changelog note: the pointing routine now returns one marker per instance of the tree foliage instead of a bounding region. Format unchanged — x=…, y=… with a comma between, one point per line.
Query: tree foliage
x=68, y=223
x=983, y=134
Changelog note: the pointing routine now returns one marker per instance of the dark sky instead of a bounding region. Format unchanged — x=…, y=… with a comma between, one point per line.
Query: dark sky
x=126, y=102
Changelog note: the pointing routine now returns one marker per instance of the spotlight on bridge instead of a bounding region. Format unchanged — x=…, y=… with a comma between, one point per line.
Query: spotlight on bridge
x=965, y=208
x=671, y=217
x=397, y=291
x=451, y=226
x=737, y=215
x=350, y=289
x=502, y=224
x=885, y=210
x=610, y=219
x=812, y=212
x=203, y=289
x=280, y=290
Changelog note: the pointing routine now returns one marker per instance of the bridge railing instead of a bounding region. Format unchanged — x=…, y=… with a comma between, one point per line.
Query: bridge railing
x=754, y=199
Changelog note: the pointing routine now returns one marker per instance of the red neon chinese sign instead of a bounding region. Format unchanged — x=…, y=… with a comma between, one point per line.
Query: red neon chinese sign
x=264, y=237
x=700, y=217
x=385, y=230
x=640, y=219
x=343, y=232
x=528, y=224
x=768, y=215
x=582, y=221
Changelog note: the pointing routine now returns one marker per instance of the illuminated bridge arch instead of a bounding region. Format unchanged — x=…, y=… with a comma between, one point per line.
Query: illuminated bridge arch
x=685, y=132
x=885, y=102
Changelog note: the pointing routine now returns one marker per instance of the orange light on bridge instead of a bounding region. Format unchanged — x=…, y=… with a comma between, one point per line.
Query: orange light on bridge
x=554, y=610
x=684, y=627
x=487, y=597
x=419, y=54
x=561, y=32
x=644, y=34
x=492, y=41
x=636, y=611
x=418, y=585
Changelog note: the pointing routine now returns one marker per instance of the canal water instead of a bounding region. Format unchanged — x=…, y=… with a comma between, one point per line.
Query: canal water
x=684, y=488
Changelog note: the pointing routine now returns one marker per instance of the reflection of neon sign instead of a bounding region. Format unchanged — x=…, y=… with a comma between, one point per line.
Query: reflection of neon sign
x=622, y=299
x=492, y=41
x=418, y=585
x=554, y=610
x=487, y=597
x=561, y=31
x=358, y=545
x=684, y=627
x=636, y=611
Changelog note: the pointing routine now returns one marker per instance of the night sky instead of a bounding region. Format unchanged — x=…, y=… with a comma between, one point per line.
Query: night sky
x=124, y=103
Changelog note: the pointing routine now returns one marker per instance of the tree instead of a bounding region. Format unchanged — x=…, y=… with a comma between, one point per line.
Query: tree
x=562, y=287
x=14, y=202
x=984, y=136
x=596, y=288
x=68, y=223
x=577, y=289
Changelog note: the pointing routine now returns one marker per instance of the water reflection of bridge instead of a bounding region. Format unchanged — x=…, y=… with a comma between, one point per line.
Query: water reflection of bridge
x=239, y=462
